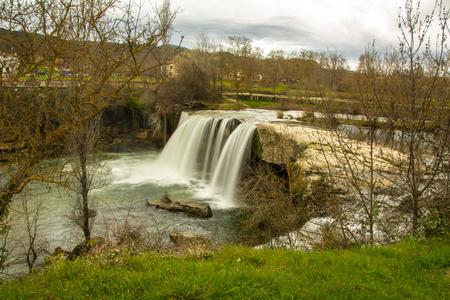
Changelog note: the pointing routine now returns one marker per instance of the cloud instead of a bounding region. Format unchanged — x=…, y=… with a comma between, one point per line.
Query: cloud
x=345, y=25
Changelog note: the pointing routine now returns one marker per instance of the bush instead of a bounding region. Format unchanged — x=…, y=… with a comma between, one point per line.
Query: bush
x=273, y=204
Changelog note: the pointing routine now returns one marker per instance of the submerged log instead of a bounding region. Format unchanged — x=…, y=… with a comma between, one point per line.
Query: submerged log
x=189, y=207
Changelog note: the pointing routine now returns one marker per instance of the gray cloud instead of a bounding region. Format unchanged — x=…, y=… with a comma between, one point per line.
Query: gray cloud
x=275, y=32
x=345, y=25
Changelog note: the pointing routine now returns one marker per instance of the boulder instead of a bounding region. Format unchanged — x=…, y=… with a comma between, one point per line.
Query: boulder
x=84, y=247
x=189, y=207
x=60, y=252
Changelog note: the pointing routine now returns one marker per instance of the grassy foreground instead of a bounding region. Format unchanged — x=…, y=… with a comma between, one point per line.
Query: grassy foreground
x=408, y=270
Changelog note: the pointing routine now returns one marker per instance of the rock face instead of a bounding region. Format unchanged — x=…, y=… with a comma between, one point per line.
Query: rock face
x=303, y=145
x=278, y=144
x=317, y=150
x=320, y=154
x=189, y=207
x=353, y=170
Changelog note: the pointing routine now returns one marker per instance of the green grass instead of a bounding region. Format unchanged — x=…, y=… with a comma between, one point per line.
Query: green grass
x=257, y=103
x=408, y=270
x=277, y=89
x=227, y=105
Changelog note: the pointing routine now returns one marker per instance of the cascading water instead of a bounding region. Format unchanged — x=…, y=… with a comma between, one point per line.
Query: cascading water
x=211, y=150
x=228, y=168
x=202, y=160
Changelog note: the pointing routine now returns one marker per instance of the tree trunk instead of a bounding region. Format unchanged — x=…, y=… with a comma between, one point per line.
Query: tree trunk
x=84, y=195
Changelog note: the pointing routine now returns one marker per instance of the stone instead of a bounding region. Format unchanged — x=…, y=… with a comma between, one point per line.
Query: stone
x=189, y=207
x=60, y=252
x=86, y=246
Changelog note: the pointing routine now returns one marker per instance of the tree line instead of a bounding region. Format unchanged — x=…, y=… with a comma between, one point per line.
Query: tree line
x=236, y=65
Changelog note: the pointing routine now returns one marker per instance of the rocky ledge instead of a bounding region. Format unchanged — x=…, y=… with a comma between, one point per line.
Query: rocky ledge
x=189, y=207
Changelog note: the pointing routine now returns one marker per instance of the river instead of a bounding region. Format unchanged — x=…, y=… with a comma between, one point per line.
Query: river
x=127, y=180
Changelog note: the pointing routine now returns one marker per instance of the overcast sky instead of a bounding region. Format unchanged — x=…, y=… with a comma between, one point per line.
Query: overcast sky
x=345, y=25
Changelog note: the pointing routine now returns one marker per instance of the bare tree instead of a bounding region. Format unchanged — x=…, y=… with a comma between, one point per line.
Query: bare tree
x=241, y=48
x=33, y=249
x=333, y=64
x=402, y=91
x=83, y=147
x=417, y=104
x=274, y=69
x=205, y=44
x=210, y=61
x=301, y=69
x=223, y=66
x=80, y=44
x=166, y=17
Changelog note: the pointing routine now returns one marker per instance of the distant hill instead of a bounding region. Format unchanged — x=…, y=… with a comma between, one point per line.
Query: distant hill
x=7, y=46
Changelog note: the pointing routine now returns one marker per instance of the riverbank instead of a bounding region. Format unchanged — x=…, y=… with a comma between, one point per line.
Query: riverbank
x=410, y=269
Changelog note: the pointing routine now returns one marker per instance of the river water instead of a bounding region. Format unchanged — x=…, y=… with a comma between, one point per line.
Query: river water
x=128, y=181
x=123, y=185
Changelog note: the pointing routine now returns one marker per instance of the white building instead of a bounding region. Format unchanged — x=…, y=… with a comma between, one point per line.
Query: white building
x=8, y=64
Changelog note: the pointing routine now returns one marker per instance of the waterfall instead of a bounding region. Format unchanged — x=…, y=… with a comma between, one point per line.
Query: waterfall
x=230, y=162
x=211, y=150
